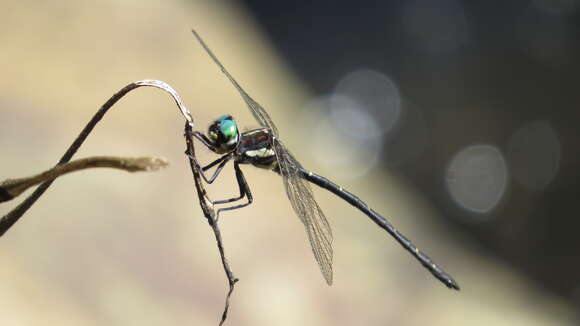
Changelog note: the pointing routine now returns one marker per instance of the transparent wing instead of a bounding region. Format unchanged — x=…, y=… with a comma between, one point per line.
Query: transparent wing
x=297, y=189
x=300, y=194
x=257, y=111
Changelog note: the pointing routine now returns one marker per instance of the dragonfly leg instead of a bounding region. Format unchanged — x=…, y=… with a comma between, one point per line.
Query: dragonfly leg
x=222, y=162
x=204, y=140
x=244, y=192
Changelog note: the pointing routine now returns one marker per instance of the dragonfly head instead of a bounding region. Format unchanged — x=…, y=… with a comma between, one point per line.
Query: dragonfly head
x=224, y=134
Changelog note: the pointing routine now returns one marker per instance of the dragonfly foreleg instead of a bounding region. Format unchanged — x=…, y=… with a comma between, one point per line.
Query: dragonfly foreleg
x=221, y=161
x=204, y=140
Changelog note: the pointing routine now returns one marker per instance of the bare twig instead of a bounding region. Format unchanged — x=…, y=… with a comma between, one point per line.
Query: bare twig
x=210, y=214
x=11, y=188
x=8, y=220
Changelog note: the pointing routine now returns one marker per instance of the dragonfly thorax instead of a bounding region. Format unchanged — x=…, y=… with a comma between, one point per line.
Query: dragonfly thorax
x=224, y=134
x=256, y=148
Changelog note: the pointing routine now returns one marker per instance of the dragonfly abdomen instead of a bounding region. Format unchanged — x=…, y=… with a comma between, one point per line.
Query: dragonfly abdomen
x=383, y=223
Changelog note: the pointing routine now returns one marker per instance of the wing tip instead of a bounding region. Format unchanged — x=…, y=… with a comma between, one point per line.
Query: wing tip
x=328, y=279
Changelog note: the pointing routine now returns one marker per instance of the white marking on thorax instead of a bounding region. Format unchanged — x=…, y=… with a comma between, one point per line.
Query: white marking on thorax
x=262, y=152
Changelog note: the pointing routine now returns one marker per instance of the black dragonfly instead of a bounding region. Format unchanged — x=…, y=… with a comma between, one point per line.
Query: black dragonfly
x=263, y=148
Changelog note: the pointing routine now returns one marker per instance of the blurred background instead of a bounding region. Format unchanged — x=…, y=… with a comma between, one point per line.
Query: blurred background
x=454, y=119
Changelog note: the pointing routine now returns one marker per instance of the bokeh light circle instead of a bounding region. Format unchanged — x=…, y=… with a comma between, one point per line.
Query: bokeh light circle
x=373, y=93
x=347, y=140
x=477, y=178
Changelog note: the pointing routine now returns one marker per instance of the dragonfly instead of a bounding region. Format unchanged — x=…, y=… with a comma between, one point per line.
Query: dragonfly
x=263, y=148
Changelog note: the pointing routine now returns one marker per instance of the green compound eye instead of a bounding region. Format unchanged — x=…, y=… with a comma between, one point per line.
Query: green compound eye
x=228, y=128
